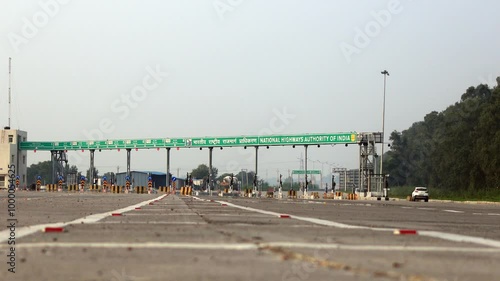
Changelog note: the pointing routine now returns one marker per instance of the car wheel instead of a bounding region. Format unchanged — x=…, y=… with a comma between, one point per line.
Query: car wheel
x=427, y=199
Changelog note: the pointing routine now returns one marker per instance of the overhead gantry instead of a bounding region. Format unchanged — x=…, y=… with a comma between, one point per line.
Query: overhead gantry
x=255, y=141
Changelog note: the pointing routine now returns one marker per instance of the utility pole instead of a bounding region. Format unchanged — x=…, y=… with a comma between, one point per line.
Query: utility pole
x=10, y=59
x=385, y=73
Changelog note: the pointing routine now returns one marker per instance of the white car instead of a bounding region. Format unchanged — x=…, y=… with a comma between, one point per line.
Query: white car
x=420, y=193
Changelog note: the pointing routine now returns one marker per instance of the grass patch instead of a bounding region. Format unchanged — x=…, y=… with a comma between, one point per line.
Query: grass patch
x=492, y=195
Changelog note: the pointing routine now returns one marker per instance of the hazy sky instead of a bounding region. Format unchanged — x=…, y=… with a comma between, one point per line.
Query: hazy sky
x=86, y=69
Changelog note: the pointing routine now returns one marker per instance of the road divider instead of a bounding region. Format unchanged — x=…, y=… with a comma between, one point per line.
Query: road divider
x=117, y=189
x=73, y=187
x=165, y=189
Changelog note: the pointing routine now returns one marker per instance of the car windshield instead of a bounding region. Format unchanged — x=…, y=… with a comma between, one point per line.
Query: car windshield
x=421, y=189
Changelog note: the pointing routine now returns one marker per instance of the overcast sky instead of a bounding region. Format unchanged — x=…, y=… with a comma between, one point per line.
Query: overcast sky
x=139, y=69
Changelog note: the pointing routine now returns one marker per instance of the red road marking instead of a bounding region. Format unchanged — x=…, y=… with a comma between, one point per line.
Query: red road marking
x=405, y=232
x=53, y=229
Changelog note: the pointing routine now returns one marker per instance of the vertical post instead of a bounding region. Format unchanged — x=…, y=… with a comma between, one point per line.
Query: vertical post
x=128, y=162
x=345, y=180
x=321, y=177
x=53, y=159
x=210, y=174
x=91, y=170
x=385, y=73
x=256, y=169
x=246, y=176
x=10, y=108
x=291, y=179
x=168, y=167
x=305, y=169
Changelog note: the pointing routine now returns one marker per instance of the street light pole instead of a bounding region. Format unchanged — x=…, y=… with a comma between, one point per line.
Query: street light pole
x=385, y=73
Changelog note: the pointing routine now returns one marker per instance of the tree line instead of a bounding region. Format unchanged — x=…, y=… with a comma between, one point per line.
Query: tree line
x=455, y=149
x=44, y=170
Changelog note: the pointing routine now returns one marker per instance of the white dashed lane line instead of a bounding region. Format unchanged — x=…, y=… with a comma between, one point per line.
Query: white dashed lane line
x=454, y=211
x=28, y=230
x=434, y=234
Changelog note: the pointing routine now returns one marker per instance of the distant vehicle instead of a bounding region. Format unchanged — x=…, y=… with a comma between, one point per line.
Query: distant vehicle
x=420, y=193
x=43, y=188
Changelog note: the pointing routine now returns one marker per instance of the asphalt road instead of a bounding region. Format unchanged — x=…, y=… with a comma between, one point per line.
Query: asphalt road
x=233, y=238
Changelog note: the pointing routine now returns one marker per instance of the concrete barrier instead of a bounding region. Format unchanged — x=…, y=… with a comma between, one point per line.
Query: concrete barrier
x=73, y=187
x=248, y=192
x=116, y=189
x=186, y=190
x=164, y=189
x=141, y=190
x=292, y=194
x=315, y=195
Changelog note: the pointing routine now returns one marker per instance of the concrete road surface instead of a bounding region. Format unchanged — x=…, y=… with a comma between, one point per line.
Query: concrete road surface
x=158, y=237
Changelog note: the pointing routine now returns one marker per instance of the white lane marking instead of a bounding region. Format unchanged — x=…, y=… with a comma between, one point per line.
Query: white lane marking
x=155, y=245
x=152, y=222
x=493, y=214
x=163, y=214
x=406, y=207
x=477, y=213
x=378, y=247
x=460, y=238
x=249, y=246
x=426, y=208
x=434, y=234
x=453, y=211
x=27, y=230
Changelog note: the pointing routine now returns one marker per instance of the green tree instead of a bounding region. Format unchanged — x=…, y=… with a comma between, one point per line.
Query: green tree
x=201, y=172
x=110, y=176
x=70, y=169
x=43, y=169
x=456, y=149
x=95, y=173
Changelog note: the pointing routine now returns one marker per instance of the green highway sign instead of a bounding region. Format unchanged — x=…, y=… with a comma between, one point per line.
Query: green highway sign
x=205, y=142
x=303, y=172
